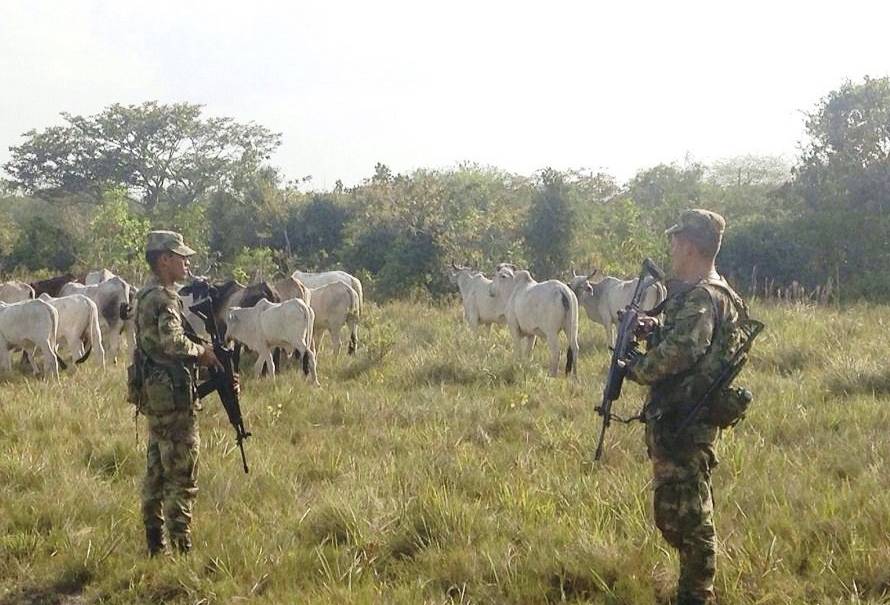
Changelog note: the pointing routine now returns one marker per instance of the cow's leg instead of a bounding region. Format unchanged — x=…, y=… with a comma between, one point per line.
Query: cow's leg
x=298, y=358
x=259, y=365
x=518, y=341
x=553, y=346
x=5, y=357
x=335, y=340
x=527, y=346
x=114, y=343
x=75, y=345
x=309, y=367
x=353, y=337
x=32, y=359
x=50, y=361
x=608, y=328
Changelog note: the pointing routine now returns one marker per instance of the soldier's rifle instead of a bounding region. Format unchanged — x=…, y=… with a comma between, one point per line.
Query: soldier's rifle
x=624, y=348
x=223, y=380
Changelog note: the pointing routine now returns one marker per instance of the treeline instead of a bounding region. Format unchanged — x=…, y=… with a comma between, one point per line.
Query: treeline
x=84, y=194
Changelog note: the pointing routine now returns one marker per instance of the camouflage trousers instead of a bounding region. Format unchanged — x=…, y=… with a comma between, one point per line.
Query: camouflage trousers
x=170, y=485
x=684, y=513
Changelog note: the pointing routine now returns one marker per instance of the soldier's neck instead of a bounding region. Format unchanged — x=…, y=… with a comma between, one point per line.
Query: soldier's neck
x=696, y=270
x=165, y=279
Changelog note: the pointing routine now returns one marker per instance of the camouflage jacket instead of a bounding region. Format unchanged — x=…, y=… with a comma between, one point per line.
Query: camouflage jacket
x=689, y=348
x=168, y=355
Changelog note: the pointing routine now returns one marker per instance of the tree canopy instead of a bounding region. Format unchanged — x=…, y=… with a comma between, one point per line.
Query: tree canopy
x=158, y=153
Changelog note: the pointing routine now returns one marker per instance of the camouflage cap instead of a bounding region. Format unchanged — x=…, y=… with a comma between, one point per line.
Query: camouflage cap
x=167, y=241
x=700, y=225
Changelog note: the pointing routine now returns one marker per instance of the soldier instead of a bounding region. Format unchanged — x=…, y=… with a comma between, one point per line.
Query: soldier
x=167, y=394
x=685, y=351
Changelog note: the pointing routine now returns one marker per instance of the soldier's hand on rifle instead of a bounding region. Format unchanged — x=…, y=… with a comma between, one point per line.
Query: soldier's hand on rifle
x=236, y=383
x=645, y=326
x=209, y=360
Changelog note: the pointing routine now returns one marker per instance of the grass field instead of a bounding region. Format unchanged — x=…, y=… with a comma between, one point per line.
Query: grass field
x=432, y=469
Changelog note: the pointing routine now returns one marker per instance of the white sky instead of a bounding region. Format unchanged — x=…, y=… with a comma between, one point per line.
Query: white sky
x=618, y=86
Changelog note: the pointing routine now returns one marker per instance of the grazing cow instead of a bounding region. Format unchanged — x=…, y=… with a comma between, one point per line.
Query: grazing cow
x=28, y=325
x=52, y=286
x=267, y=326
x=539, y=309
x=15, y=291
x=113, y=301
x=336, y=305
x=604, y=299
x=317, y=280
x=97, y=277
x=78, y=326
x=481, y=309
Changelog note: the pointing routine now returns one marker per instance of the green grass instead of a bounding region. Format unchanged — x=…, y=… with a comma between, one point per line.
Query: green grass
x=432, y=469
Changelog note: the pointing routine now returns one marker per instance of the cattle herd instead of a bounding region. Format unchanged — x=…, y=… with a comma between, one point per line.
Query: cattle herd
x=95, y=315
x=532, y=309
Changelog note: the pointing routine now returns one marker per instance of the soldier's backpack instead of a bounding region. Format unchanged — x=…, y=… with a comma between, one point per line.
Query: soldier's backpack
x=724, y=405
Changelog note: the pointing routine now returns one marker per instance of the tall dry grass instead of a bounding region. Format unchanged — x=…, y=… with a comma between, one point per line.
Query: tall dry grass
x=431, y=468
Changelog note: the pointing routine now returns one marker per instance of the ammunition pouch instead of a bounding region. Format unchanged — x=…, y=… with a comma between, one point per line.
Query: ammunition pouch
x=167, y=388
x=728, y=406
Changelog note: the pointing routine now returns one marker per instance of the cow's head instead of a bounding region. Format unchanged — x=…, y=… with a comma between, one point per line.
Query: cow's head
x=504, y=275
x=455, y=272
x=580, y=283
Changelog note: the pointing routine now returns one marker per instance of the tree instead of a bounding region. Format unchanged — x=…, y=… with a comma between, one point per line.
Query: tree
x=847, y=163
x=549, y=230
x=115, y=237
x=159, y=153
x=315, y=230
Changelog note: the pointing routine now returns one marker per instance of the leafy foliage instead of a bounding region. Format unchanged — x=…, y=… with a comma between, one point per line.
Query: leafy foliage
x=160, y=153
x=169, y=167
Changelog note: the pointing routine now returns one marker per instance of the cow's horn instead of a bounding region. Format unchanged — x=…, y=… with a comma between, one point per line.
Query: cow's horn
x=594, y=272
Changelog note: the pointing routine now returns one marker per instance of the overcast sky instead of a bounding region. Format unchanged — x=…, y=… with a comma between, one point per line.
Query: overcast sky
x=617, y=86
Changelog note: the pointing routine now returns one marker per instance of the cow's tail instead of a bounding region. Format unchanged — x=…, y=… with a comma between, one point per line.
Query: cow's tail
x=309, y=358
x=93, y=337
x=53, y=361
x=570, y=325
x=357, y=286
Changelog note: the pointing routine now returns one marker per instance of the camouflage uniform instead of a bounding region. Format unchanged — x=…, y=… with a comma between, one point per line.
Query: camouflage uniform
x=684, y=356
x=167, y=402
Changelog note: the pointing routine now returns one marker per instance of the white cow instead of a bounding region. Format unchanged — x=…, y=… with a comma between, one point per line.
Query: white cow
x=317, y=280
x=97, y=277
x=267, y=325
x=113, y=298
x=481, y=309
x=15, y=291
x=336, y=305
x=28, y=325
x=604, y=299
x=539, y=309
x=78, y=324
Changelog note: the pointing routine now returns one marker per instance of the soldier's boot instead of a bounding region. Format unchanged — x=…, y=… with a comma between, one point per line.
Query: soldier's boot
x=154, y=537
x=687, y=599
x=182, y=544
